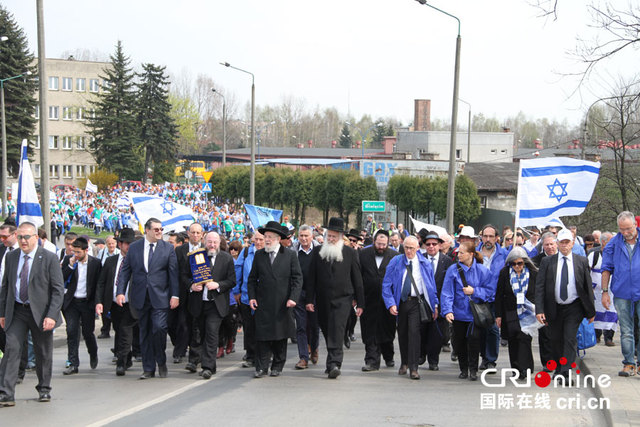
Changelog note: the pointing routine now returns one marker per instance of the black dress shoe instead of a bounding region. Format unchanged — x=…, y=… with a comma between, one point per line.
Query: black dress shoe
x=44, y=396
x=352, y=337
x=275, y=373
x=454, y=356
x=120, y=370
x=93, y=361
x=191, y=367
x=463, y=375
x=414, y=375
x=403, y=370
x=162, y=371
x=6, y=400
x=433, y=367
x=347, y=342
x=206, y=374
x=390, y=363
x=421, y=360
x=103, y=336
x=146, y=375
x=260, y=374
x=369, y=368
x=334, y=372
x=473, y=376
x=483, y=365
x=70, y=370
x=177, y=360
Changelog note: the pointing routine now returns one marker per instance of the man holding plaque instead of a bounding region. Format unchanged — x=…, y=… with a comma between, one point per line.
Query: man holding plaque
x=274, y=286
x=212, y=276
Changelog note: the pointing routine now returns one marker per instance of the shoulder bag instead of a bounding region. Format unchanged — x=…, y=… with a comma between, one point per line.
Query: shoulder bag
x=426, y=315
x=482, y=315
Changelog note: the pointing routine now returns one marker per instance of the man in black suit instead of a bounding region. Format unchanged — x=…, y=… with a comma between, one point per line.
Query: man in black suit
x=30, y=300
x=186, y=333
x=274, y=286
x=151, y=267
x=121, y=316
x=432, y=341
x=334, y=278
x=80, y=272
x=377, y=325
x=209, y=301
x=564, y=296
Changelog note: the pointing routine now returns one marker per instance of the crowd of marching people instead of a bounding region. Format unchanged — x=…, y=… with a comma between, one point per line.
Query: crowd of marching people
x=466, y=295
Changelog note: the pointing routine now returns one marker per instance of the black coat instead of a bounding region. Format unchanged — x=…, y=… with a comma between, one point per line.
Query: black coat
x=376, y=322
x=272, y=285
x=224, y=274
x=444, y=262
x=546, y=282
x=505, y=303
x=333, y=286
x=104, y=289
x=70, y=276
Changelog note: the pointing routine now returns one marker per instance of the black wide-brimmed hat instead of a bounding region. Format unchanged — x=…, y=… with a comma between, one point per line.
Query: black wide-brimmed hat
x=288, y=232
x=335, y=224
x=274, y=227
x=354, y=233
x=432, y=235
x=127, y=235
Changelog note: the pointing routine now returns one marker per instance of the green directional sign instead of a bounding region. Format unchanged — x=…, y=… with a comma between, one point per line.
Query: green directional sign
x=374, y=206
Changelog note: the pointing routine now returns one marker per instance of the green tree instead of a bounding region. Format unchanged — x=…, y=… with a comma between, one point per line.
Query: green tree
x=164, y=171
x=320, y=193
x=114, y=129
x=156, y=126
x=358, y=189
x=379, y=132
x=19, y=94
x=467, y=202
x=185, y=115
x=345, y=137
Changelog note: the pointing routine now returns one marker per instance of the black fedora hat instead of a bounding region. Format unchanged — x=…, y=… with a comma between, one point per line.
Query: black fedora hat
x=354, y=233
x=127, y=235
x=335, y=224
x=432, y=235
x=274, y=227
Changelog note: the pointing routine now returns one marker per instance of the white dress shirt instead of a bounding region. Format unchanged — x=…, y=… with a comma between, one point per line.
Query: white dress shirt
x=572, y=293
x=81, y=288
x=146, y=253
x=31, y=254
x=205, y=291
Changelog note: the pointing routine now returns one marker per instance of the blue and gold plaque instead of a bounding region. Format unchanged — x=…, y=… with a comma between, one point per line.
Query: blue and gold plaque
x=200, y=269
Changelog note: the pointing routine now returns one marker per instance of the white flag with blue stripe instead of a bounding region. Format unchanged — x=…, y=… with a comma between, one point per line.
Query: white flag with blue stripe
x=553, y=187
x=174, y=217
x=28, y=207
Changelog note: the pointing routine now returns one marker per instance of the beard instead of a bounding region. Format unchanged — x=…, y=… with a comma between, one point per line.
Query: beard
x=332, y=252
x=212, y=252
x=379, y=251
x=270, y=248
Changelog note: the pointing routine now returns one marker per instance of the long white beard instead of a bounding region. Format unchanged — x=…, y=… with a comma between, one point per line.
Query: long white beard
x=270, y=249
x=212, y=252
x=329, y=252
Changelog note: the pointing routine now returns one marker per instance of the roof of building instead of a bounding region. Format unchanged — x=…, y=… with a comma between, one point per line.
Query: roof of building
x=324, y=152
x=493, y=176
x=591, y=153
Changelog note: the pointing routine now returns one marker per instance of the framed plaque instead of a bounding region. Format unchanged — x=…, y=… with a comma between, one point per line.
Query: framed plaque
x=200, y=269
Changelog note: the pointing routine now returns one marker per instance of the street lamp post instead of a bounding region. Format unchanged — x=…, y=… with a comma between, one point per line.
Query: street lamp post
x=363, y=138
x=454, y=123
x=468, y=131
x=262, y=129
x=224, y=127
x=252, y=177
x=4, y=142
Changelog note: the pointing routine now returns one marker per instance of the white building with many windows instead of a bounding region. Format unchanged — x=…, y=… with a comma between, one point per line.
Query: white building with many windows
x=71, y=85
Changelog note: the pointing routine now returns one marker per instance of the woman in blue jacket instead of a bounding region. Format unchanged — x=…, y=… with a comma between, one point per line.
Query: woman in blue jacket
x=455, y=306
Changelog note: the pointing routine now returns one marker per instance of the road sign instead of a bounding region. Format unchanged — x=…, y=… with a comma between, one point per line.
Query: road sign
x=374, y=206
x=206, y=187
x=207, y=176
x=188, y=174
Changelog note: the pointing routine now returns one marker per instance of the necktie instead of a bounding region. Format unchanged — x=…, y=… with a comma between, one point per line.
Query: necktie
x=150, y=256
x=433, y=264
x=406, y=286
x=24, y=280
x=272, y=256
x=564, y=280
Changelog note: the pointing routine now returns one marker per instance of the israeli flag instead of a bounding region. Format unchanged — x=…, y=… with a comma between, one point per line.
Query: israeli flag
x=553, y=187
x=28, y=207
x=259, y=215
x=174, y=217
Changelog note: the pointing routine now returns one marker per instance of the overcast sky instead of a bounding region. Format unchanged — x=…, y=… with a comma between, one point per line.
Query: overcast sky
x=364, y=56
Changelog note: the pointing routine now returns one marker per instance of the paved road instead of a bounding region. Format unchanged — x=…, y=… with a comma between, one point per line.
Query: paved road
x=297, y=397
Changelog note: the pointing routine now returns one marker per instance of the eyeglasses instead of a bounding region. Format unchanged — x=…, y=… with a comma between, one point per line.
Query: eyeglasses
x=157, y=229
x=4, y=237
x=431, y=244
x=25, y=236
x=353, y=240
x=517, y=263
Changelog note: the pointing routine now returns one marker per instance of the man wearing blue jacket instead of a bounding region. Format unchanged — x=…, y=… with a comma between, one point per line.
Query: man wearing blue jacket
x=241, y=294
x=493, y=257
x=401, y=299
x=621, y=264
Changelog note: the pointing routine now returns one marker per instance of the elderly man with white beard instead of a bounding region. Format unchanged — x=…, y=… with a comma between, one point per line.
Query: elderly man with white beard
x=274, y=286
x=334, y=280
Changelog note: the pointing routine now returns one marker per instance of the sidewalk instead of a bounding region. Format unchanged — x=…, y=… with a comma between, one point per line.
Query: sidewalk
x=623, y=393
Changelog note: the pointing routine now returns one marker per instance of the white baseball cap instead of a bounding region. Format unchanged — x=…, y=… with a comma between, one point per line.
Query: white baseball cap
x=565, y=234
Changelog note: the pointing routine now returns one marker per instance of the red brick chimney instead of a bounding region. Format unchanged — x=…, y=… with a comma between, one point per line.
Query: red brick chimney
x=422, y=115
x=387, y=143
x=310, y=143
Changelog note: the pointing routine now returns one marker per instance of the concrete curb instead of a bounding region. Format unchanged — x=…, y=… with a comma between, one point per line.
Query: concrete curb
x=597, y=391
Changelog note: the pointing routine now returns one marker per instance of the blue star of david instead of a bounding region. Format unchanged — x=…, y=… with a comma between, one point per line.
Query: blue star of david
x=167, y=208
x=560, y=186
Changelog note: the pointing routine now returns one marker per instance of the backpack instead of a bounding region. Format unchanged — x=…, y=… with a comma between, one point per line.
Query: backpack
x=586, y=337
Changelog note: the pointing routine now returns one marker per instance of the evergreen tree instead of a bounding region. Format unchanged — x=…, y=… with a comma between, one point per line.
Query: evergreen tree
x=19, y=94
x=116, y=146
x=345, y=137
x=379, y=132
x=156, y=126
